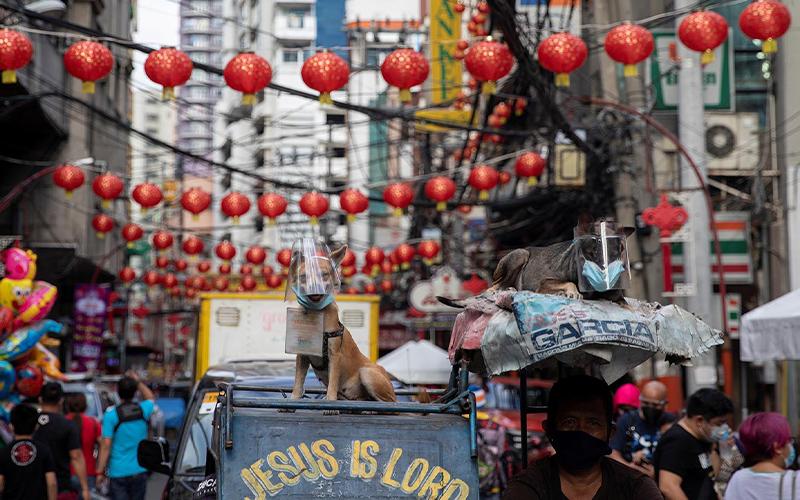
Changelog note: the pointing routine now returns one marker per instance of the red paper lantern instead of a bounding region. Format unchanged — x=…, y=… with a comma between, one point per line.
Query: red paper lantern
x=221, y=283
x=194, y=201
x=440, y=189
x=204, y=266
x=349, y=258
x=69, y=178
x=386, y=266
x=267, y=271
x=162, y=262
x=314, y=205
x=370, y=288
x=201, y=283
x=88, y=61
x=274, y=281
x=460, y=7
x=703, y=32
x=272, y=205
x=765, y=20
x=483, y=178
x=168, y=67
x=248, y=73
x=530, y=165
x=503, y=178
x=131, y=232
x=246, y=269
x=16, y=51
x=562, y=53
x=398, y=195
x=225, y=250
x=127, y=274
x=147, y=195
x=353, y=202
x=386, y=286
x=428, y=250
x=374, y=256
x=191, y=293
x=489, y=61
x=108, y=187
x=629, y=44
x=255, y=255
x=348, y=271
x=325, y=72
x=180, y=265
x=192, y=245
x=235, y=205
x=169, y=280
x=224, y=268
x=102, y=224
x=284, y=257
x=405, y=68
x=151, y=278
x=248, y=283
x=162, y=240
x=351, y=290
x=405, y=253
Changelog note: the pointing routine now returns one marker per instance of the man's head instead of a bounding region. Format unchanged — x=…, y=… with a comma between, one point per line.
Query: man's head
x=76, y=403
x=579, y=422
x=707, y=411
x=52, y=394
x=24, y=419
x=126, y=388
x=653, y=401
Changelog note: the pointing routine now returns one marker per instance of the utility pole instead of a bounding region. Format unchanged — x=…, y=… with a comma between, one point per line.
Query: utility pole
x=697, y=260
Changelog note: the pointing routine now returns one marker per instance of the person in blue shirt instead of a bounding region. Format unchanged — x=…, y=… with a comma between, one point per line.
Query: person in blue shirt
x=124, y=426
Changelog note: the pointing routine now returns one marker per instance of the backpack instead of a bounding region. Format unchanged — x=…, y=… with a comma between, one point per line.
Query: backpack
x=129, y=412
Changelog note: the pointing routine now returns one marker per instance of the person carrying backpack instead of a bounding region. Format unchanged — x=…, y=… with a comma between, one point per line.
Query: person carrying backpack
x=124, y=426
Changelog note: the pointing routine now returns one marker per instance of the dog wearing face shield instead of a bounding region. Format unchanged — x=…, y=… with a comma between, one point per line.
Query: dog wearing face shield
x=342, y=368
x=593, y=265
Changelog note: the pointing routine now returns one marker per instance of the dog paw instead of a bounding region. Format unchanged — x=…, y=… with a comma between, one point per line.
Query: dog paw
x=330, y=412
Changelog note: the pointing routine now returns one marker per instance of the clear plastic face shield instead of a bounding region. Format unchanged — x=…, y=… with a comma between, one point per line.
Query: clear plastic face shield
x=602, y=259
x=313, y=274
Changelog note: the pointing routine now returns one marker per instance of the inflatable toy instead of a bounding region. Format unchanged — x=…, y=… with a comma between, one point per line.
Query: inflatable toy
x=37, y=305
x=30, y=380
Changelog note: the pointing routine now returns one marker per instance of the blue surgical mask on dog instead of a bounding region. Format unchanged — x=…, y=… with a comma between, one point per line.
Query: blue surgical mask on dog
x=307, y=303
x=597, y=277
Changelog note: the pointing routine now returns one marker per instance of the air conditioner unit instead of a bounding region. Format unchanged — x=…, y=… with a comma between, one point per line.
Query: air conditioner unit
x=732, y=143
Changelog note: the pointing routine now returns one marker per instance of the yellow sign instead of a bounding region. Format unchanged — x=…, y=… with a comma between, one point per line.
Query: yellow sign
x=286, y=468
x=446, y=72
x=439, y=115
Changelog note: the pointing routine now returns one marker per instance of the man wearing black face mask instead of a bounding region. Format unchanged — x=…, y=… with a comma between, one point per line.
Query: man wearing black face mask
x=579, y=426
x=638, y=432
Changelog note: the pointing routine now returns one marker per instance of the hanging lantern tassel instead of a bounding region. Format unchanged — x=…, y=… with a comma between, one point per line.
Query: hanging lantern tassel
x=100, y=235
x=532, y=181
x=87, y=87
x=405, y=95
x=195, y=217
x=489, y=88
x=314, y=220
x=68, y=195
x=325, y=99
x=405, y=265
x=427, y=262
x=707, y=57
x=9, y=76
x=398, y=212
x=630, y=71
x=562, y=80
x=351, y=218
x=441, y=206
x=105, y=203
x=248, y=99
x=168, y=94
x=235, y=219
x=271, y=221
x=375, y=271
x=769, y=46
x=483, y=195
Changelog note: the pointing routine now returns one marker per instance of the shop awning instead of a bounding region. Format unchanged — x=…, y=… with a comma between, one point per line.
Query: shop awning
x=772, y=332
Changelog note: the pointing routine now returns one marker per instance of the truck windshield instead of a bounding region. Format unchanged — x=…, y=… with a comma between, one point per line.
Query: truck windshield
x=198, y=438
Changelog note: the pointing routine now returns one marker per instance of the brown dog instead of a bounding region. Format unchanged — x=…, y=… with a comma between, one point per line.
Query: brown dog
x=344, y=370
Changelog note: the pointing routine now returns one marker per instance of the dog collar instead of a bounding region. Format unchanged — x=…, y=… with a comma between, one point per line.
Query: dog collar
x=336, y=333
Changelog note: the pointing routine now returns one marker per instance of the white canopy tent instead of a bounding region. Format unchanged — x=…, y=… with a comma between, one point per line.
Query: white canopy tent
x=418, y=362
x=771, y=332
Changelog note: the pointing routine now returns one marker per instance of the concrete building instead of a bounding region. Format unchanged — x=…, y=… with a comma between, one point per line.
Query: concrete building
x=62, y=126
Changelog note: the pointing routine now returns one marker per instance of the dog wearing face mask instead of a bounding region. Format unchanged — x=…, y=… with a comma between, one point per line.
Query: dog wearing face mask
x=343, y=369
x=554, y=269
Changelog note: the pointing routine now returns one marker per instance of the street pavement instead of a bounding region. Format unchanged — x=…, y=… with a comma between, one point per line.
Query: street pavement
x=155, y=486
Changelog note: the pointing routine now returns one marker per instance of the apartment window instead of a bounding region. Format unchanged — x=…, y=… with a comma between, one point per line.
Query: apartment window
x=151, y=131
x=338, y=152
x=291, y=55
x=376, y=56
x=216, y=41
x=295, y=18
x=334, y=119
x=195, y=40
x=151, y=117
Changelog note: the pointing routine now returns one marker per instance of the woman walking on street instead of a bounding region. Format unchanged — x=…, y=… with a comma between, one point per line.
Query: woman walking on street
x=767, y=442
x=89, y=430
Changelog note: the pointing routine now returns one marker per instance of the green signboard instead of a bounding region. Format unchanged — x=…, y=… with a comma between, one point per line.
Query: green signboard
x=665, y=75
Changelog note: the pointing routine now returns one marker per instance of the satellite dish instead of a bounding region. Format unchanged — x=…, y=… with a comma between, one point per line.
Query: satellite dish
x=48, y=7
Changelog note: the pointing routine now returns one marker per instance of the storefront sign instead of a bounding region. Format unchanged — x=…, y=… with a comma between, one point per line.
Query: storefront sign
x=91, y=306
x=446, y=71
x=445, y=283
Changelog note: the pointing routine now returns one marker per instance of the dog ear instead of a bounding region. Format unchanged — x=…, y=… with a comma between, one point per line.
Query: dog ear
x=338, y=254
